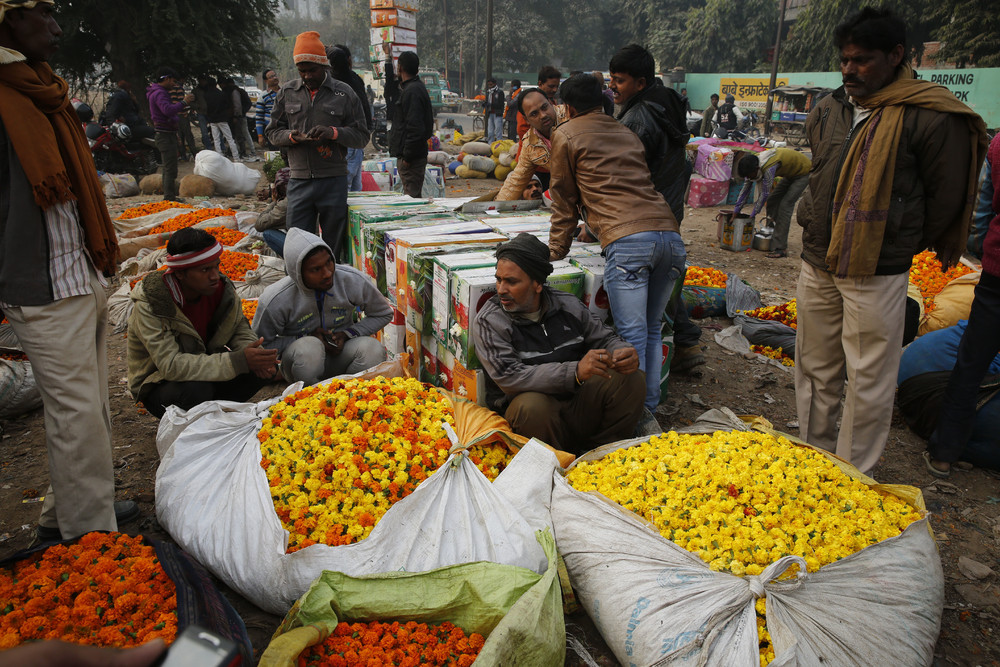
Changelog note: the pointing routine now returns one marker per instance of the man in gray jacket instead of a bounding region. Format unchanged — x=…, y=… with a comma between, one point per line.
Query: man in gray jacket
x=310, y=316
x=317, y=118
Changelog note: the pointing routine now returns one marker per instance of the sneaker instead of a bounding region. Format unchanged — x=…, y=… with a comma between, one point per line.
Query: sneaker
x=125, y=511
x=686, y=359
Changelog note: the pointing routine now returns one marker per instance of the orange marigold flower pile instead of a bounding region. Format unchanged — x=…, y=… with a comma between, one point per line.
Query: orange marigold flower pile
x=149, y=209
x=928, y=274
x=226, y=236
x=190, y=219
x=704, y=277
x=107, y=589
x=777, y=354
x=338, y=455
x=236, y=264
x=12, y=355
x=249, y=308
x=404, y=644
x=786, y=313
x=490, y=459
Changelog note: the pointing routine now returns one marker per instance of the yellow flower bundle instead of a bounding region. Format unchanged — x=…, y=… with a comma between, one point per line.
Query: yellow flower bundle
x=928, y=274
x=338, y=455
x=741, y=501
x=778, y=354
x=704, y=277
x=149, y=209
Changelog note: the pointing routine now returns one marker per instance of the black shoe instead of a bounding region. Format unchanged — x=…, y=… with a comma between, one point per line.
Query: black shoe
x=125, y=511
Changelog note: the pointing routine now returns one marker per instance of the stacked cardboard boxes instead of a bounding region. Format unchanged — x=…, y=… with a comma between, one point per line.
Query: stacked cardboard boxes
x=394, y=30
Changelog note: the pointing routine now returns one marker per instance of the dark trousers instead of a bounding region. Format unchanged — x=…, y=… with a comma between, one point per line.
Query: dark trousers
x=979, y=346
x=186, y=395
x=412, y=176
x=781, y=205
x=206, y=135
x=166, y=143
x=512, y=128
x=322, y=200
x=686, y=332
x=600, y=411
x=185, y=138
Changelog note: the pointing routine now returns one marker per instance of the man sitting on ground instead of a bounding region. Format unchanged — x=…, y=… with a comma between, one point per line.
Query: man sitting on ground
x=271, y=221
x=188, y=340
x=309, y=315
x=554, y=370
x=535, y=146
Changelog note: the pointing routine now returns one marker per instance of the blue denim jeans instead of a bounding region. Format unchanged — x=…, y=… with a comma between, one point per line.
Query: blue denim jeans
x=322, y=200
x=639, y=275
x=494, y=128
x=275, y=240
x=354, y=158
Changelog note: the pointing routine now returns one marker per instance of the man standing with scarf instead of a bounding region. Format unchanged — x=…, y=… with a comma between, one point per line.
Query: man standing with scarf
x=56, y=240
x=895, y=161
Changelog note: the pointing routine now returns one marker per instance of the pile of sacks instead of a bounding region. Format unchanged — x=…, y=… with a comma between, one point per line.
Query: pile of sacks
x=482, y=160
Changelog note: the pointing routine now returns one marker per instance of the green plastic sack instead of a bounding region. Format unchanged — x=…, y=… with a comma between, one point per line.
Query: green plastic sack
x=518, y=611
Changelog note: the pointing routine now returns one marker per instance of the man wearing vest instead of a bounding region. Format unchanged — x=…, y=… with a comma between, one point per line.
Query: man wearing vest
x=728, y=117
x=793, y=169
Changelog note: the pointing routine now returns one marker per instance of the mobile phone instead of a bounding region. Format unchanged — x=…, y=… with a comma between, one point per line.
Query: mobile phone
x=200, y=647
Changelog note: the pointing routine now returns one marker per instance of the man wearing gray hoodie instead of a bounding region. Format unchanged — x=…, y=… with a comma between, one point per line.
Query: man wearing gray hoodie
x=311, y=316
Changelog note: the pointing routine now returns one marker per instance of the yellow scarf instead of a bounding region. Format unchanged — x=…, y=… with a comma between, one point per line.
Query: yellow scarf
x=864, y=187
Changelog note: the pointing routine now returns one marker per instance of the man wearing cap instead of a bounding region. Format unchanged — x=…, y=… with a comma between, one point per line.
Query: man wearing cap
x=56, y=239
x=317, y=118
x=554, y=370
x=310, y=316
x=165, y=112
x=727, y=117
x=188, y=340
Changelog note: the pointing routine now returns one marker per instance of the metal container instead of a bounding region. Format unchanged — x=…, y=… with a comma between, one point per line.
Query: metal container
x=761, y=241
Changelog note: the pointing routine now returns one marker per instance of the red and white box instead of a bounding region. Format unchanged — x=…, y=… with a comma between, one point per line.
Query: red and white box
x=707, y=192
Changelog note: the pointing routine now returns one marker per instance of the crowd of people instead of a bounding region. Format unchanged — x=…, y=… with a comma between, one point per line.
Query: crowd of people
x=894, y=168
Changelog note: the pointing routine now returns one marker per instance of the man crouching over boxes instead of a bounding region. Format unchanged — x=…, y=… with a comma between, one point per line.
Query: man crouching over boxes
x=555, y=371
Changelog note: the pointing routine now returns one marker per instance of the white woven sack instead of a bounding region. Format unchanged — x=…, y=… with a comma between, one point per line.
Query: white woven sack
x=231, y=178
x=269, y=270
x=18, y=389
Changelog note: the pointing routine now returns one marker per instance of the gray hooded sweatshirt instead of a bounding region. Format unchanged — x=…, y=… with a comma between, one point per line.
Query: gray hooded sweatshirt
x=288, y=310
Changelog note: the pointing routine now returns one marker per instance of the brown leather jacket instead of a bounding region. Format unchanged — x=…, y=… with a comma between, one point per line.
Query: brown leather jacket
x=534, y=154
x=598, y=165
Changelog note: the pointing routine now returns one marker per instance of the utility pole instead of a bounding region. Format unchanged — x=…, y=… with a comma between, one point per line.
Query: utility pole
x=444, y=4
x=475, y=53
x=489, y=39
x=774, y=68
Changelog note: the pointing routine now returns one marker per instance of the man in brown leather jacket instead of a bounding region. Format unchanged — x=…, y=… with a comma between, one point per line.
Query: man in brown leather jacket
x=599, y=167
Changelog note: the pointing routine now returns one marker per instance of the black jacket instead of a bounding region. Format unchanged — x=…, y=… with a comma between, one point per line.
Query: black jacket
x=412, y=122
x=657, y=115
x=219, y=105
x=358, y=86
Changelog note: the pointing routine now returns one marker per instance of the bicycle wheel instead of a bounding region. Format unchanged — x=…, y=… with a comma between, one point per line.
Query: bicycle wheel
x=478, y=125
x=752, y=133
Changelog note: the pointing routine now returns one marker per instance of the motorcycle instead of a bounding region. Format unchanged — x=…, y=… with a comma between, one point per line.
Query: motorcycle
x=745, y=132
x=114, y=149
x=380, y=133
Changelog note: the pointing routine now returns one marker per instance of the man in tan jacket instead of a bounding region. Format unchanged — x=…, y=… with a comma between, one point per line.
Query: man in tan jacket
x=533, y=155
x=599, y=168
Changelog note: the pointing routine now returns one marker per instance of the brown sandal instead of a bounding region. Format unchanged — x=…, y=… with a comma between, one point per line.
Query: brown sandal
x=777, y=254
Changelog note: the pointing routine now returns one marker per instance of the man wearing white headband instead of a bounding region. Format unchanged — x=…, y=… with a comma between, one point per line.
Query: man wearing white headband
x=188, y=340
x=55, y=240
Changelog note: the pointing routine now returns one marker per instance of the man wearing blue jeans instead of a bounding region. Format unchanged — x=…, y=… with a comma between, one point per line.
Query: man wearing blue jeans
x=599, y=168
x=318, y=119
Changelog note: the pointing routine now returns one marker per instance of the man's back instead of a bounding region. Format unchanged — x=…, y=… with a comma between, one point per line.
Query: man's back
x=413, y=121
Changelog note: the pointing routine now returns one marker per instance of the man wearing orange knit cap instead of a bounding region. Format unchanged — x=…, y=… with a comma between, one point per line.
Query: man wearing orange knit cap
x=317, y=118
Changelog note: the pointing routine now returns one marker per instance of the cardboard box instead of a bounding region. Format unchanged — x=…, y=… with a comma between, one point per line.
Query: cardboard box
x=408, y=5
x=412, y=348
x=379, y=53
x=445, y=367
x=714, y=162
x=734, y=192
x=394, y=34
x=594, y=295
x=429, y=361
x=394, y=334
x=469, y=384
x=788, y=116
x=446, y=135
x=399, y=18
x=420, y=279
x=736, y=234
x=443, y=270
x=707, y=192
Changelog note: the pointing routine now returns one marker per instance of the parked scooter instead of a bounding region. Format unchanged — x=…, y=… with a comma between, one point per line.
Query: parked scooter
x=114, y=148
x=745, y=132
x=380, y=133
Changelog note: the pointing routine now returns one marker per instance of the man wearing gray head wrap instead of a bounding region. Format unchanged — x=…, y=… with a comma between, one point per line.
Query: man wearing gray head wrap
x=554, y=370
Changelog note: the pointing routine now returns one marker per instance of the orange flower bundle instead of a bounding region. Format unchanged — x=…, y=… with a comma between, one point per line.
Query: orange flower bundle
x=190, y=219
x=778, y=354
x=236, y=264
x=107, y=589
x=928, y=274
x=11, y=355
x=149, y=209
x=705, y=277
x=404, y=644
x=226, y=236
x=249, y=308
x=786, y=313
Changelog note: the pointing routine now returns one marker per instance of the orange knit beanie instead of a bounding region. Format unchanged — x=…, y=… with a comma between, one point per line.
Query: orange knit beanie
x=309, y=49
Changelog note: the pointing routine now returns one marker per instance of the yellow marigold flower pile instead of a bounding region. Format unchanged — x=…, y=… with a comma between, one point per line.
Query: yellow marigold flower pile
x=490, y=459
x=777, y=354
x=149, y=209
x=786, y=313
x=226, y=236
x=249, y=308
x=741, y=501
x=928, y=274
x=704, y=277
x=338, y=455
x=236, y=264
x=189, y=219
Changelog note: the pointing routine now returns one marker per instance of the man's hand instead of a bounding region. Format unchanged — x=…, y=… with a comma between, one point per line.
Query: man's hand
x=595, y=362
x=402, y=163
x=332, y=341
x=583, y=236
x=321, y=132
x=949, y=256
x=260, y=139
x=189, y=98
x=262, y=362
x=299, y=137
x=625, y=360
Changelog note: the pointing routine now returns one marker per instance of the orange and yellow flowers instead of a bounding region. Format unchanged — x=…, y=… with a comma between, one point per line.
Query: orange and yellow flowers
x=226, y=236
x=13, y=355
x=778, y=354
x=106, y=589
x=235, y=265
x=249, y=308
x=705, y=277
x=190, y=219
x=405, y=644
x=928, y=274
x=149, y=209
x=786, y=313
x=338, y=455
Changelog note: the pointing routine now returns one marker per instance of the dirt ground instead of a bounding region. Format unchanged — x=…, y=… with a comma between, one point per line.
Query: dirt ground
x=965, y=510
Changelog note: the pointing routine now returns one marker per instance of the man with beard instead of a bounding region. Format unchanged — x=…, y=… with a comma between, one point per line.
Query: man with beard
x=554, y=370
